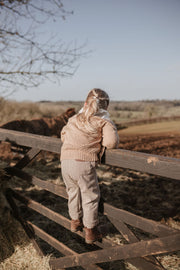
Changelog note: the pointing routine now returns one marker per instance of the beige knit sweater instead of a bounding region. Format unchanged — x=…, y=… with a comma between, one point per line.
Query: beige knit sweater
x=82, y=145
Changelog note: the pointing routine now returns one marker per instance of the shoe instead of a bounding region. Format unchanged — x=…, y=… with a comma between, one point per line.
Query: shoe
x=76, y=225
x=92, y=235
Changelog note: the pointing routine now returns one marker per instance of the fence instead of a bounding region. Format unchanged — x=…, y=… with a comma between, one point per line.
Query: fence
x=140, y=253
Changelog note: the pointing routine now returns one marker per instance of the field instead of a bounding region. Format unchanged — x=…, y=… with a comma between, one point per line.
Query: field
x=158, y=138
x=155, y=128
x=146, y=195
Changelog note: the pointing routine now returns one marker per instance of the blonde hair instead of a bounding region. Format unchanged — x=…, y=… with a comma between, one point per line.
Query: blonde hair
x=96, y=100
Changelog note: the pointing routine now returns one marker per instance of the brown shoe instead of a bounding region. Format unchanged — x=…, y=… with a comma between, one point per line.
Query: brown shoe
x=92, y=235
x=76, y=225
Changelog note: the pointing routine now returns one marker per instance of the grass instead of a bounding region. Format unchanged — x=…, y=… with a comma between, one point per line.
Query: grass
x=162, y=127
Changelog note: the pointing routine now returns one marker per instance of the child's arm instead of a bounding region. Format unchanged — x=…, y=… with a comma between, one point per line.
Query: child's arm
x=110, y=137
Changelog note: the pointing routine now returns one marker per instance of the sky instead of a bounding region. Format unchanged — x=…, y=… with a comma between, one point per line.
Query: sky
x=134, y=51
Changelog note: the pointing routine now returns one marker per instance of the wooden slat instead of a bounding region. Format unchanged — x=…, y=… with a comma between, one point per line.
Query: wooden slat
x=143, y=248
x=58, y=245
x=148, y=263
x=51, y=240
x=29, y=156
x=119, y=214
x=54, y=188
x=124, y=230
x=144, y=224
x=59, y=219
x=31, y=140
x=129, y=218
x=32, y=229
x=45, y=211
x=153, y=164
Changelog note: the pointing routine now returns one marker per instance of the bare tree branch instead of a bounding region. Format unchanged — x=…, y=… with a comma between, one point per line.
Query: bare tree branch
x=26, y=58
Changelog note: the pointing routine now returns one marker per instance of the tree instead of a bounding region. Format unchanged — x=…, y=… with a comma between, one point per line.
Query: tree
x=27, y=57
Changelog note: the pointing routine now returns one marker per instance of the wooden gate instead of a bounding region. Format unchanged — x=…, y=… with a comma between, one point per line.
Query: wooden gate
x=140, y=253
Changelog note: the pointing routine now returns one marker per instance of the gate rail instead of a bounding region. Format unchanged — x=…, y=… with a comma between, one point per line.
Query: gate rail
x=140, y=253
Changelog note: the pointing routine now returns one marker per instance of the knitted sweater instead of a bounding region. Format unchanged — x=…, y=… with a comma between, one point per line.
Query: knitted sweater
x=82, y=145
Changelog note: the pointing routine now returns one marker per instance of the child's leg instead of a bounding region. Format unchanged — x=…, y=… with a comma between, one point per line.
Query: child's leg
x=90, y=193
x=72, y=188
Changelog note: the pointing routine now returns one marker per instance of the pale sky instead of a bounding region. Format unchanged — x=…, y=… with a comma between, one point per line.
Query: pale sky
x=135, y=51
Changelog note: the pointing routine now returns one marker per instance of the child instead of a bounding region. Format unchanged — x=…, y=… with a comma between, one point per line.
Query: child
x=84, y=139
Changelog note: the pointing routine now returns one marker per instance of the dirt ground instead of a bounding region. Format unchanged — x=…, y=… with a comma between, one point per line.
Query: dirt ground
x=164, y=144
x=150, y=196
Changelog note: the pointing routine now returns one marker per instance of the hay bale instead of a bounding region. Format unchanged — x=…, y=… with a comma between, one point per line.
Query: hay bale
x=16, y=249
